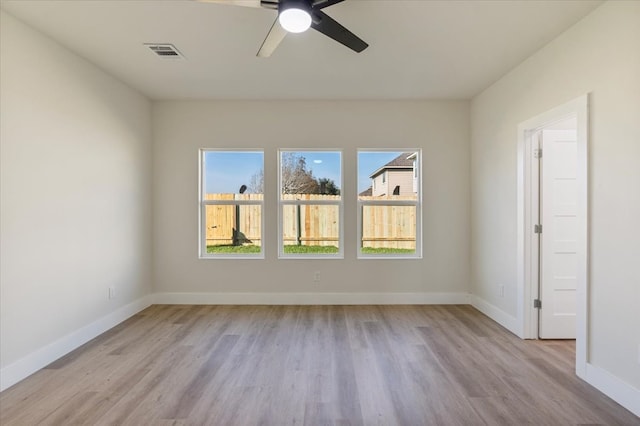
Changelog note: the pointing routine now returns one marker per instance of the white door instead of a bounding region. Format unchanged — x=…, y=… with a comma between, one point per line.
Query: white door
x=559, y=236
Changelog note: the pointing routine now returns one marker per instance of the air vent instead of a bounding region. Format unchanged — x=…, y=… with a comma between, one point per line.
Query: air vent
x=165, y=50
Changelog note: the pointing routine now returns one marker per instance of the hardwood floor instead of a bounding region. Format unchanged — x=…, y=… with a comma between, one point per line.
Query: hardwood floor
x=312, y=365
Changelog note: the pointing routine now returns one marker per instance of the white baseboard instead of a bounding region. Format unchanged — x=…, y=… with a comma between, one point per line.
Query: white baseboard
x=311, y=298
x=24, y=367
x=498, y=315
x=621, y=392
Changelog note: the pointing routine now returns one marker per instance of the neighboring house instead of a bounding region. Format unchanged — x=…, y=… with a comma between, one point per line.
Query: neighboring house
x=367, y=192
x=398, y=177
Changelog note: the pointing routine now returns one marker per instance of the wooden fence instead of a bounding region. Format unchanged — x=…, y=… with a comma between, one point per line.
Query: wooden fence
x=233, y=224
x=309, y=224
x=385, y=226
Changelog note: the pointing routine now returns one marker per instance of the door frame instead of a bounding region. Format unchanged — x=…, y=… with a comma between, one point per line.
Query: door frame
x=527, y=243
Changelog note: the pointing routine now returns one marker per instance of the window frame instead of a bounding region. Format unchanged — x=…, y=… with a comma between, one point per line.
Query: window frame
x=282, y=203
x=417, y=203
x=202, y=206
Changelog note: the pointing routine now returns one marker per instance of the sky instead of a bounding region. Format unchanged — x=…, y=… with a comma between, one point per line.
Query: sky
x=226, y=171
x=324, y=164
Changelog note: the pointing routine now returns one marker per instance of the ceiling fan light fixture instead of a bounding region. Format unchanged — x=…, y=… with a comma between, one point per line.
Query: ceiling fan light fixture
x=294, y=17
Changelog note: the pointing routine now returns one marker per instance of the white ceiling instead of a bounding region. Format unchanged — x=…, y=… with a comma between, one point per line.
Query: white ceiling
x=418, y=48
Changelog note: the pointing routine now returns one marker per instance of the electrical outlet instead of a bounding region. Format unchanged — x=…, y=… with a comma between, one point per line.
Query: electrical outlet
x=501, y=291
x=112, y=292
x=316, y=277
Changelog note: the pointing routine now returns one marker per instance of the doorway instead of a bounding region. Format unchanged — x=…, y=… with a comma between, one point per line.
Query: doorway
x=552, y=225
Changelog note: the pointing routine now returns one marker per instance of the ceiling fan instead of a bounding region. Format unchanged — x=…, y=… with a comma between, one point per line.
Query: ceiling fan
x=297, y=16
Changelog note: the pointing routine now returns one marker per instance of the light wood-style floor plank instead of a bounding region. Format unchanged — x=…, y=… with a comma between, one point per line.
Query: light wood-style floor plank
x=313, y=365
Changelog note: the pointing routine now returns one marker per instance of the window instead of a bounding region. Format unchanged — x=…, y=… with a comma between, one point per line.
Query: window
x=310, y=204
x=389, y=216
x=231, y=204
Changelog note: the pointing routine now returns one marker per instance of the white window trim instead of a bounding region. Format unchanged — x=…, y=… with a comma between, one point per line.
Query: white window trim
x=339, y=203
x=417, y=203
x=202, y=205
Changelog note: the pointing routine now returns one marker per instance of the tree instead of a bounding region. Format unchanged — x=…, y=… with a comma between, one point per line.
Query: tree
x=256, y=185
x=328, y=187
x=296, y=178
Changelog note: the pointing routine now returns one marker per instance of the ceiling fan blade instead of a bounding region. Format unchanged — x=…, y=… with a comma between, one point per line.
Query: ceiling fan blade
x=247, y=3
x=329, y=27
x=273, y=39
x=321, y=4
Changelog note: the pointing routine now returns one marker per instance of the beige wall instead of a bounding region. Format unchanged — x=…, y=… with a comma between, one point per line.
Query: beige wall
x=404, y=179
x=439, y=128
x=600, y=55
x=379, y=187
x=392, y=179
x=75, y=193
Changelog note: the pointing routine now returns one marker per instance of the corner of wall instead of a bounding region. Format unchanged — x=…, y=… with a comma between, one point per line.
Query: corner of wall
x=498, y=315
x=31, y=363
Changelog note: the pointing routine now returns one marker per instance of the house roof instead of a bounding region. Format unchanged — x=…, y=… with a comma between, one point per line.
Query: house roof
x=403, y=161
x=367, y=192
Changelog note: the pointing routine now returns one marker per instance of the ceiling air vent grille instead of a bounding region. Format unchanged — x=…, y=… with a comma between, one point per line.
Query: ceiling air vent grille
x=165, y=50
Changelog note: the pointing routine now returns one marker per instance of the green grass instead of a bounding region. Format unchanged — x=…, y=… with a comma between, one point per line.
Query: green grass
x=386, y=250
x=295, y=249
x=233, y=249
x=310, y=249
